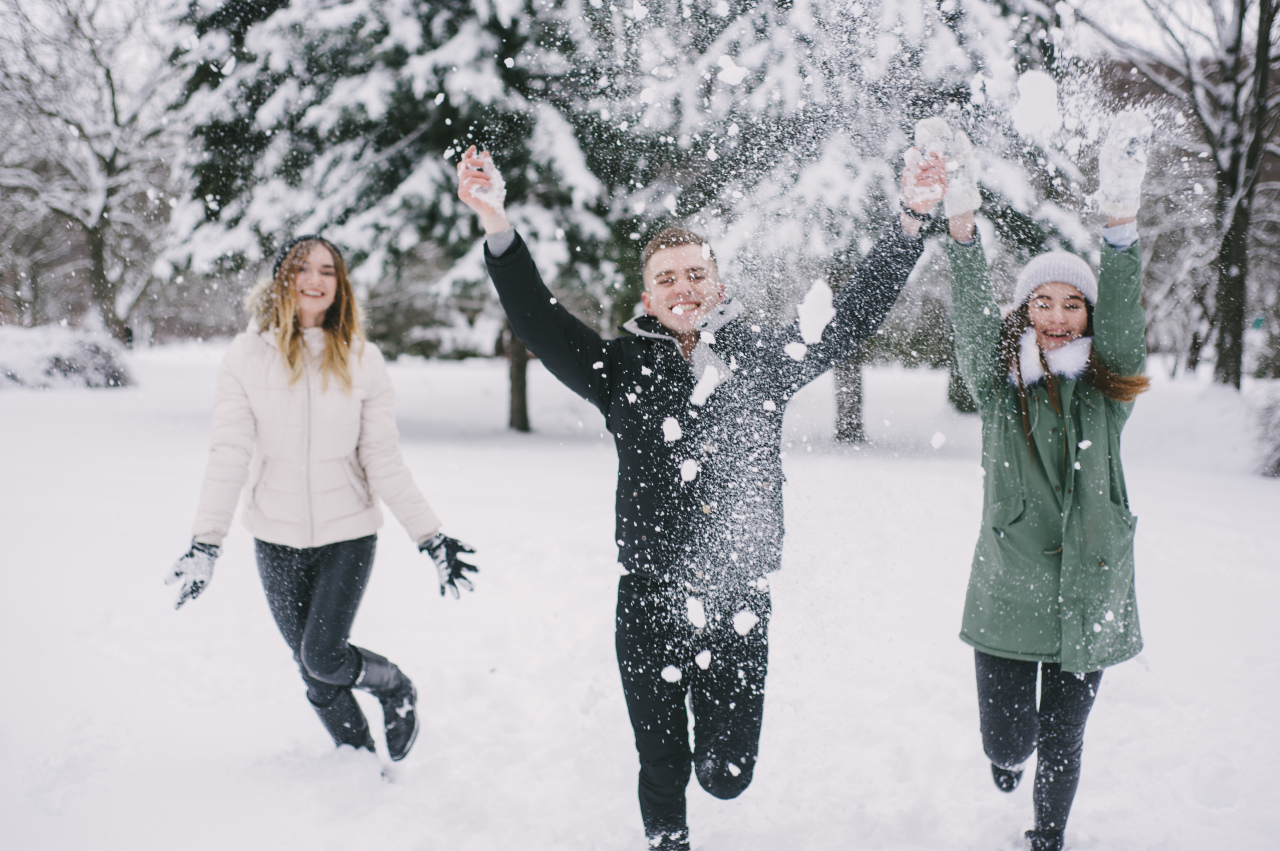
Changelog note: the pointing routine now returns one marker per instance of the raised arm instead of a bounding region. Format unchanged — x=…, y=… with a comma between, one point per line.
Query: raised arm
x=974, y=313
x=862, y=304
x=570, y=350
x=1119, y=322
x=573, y=352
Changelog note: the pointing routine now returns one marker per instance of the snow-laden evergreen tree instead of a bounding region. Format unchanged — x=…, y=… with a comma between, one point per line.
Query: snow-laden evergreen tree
x=779, y=127
x=346, y=118
x=86, y=148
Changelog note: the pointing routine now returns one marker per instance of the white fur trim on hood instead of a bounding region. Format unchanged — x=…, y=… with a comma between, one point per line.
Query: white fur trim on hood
x=1068, y=361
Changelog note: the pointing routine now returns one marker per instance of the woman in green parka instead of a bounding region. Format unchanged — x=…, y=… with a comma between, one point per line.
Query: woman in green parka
x=1051, y=592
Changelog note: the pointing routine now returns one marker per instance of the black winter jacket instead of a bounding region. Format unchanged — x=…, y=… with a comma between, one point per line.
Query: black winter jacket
x=699, y=479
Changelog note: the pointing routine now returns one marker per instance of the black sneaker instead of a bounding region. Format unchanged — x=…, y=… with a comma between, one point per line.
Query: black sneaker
x=1007, y=779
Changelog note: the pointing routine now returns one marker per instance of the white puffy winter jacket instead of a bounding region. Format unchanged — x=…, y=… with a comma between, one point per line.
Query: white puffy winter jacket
x=320, y=458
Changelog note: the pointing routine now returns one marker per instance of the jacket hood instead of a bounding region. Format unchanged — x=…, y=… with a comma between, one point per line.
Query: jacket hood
x=709, y=368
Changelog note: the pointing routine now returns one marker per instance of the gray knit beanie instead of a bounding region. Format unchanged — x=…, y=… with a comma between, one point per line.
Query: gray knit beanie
x=1060, y=266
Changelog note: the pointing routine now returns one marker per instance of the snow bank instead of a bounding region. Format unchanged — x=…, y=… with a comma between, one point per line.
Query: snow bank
x=51, y=356
x=124, y=715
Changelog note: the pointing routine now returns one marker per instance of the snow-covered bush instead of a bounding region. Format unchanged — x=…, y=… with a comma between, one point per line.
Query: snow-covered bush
x=1268, y=407
x=52, y=356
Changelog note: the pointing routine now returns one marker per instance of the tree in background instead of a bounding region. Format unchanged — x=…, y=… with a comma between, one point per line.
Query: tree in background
x=87, y=143
x=346, y=118
x=779, y=128
x=1215, y=61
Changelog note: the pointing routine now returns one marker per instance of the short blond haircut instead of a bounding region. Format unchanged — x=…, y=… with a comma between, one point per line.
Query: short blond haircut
x=674, y=237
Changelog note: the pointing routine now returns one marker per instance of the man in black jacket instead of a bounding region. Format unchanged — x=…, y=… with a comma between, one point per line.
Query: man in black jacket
x=694, y=397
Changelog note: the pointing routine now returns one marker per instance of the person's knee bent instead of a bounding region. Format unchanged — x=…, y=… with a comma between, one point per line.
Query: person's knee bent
x=328, y=664
x=723, y=778
x=321, y=693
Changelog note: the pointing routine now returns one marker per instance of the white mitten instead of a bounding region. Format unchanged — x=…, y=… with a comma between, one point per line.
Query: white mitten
x=962, y=181
x=933, y=135
x=1122, y=163
x=495, y=194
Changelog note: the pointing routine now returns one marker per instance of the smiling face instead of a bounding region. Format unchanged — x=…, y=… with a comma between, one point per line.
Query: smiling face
x=315, y=285
x=681, y=286
x=1058, y=313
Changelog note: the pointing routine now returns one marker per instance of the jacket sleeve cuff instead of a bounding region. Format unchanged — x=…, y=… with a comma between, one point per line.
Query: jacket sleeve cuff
x=500, y=243
x=1122, y=236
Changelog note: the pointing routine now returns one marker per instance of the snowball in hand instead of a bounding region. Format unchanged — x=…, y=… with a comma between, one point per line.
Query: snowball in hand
x=933, y=135
x=1122, y=163
x=962, y=181
x=495, y=194
x=913, y=193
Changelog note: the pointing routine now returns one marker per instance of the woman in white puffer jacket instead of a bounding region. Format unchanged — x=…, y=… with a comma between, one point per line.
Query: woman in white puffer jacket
x=304, y=411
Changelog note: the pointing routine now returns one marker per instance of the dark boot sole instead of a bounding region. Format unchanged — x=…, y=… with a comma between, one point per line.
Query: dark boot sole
x=390, y=712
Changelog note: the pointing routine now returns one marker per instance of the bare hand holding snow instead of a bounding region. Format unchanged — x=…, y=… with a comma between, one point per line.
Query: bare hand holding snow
x=924, y=180
x=481, y=187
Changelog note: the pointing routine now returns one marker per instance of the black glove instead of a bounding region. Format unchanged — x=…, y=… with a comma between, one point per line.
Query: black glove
x=453, y=570
x=193, y=570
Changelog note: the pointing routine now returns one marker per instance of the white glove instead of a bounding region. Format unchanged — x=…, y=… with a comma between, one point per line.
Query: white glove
x=962, y=182
x=1122, y=163
x=937, y=136
x=193, y=570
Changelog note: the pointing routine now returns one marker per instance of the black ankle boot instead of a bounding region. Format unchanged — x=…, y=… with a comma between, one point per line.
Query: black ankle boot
x=1044, y=840
x=1006, y=779
x=676, y=840
x=344, y=721
x=398, y=697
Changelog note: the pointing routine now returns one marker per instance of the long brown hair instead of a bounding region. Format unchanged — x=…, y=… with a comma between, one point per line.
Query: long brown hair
x=1121, y=388
x=274, y=305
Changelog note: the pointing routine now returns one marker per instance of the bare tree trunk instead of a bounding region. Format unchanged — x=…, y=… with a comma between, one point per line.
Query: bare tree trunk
x=100, y=286
x=1233, y=269
x=518, y=358
x=849, y=399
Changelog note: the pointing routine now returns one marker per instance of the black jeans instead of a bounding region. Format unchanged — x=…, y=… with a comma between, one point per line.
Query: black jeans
x=314, y=594
x=1013, y=726
x=664, y=657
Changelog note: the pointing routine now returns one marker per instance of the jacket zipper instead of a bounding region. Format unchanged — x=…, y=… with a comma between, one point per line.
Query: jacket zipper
x=311, y=522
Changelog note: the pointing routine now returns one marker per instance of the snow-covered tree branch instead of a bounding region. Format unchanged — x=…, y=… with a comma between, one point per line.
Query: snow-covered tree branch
x=85, y=87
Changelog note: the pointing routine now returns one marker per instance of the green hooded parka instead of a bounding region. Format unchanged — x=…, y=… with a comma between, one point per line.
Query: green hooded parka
x=1053, y=573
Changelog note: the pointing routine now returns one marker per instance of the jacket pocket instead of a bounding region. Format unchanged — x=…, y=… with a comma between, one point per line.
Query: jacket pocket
x=1005, y=512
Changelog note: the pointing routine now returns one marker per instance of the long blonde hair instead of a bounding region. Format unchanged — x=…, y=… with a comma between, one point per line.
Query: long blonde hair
x=273, y=304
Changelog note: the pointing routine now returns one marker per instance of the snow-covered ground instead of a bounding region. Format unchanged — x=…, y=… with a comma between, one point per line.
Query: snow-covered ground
x=127, y=725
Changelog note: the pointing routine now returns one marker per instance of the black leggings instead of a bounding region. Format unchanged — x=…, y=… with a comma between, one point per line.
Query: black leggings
x=721, y=667
x=1013, y=726
x=314, y=594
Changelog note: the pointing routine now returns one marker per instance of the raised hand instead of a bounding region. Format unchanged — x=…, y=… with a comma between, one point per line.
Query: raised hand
x=924, y=180
x=193, y=570
x=452, y=570
x=481, y=187
x=1122, y=164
